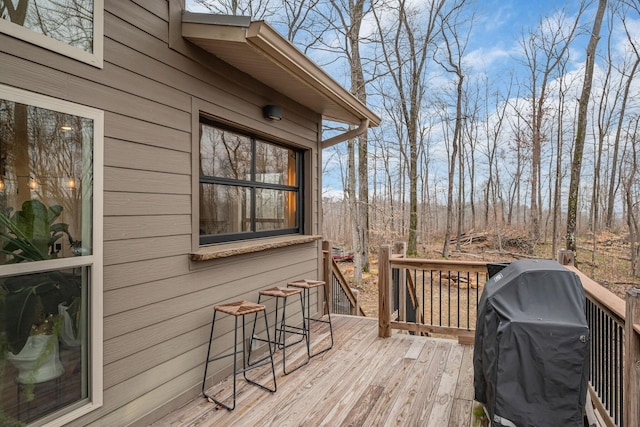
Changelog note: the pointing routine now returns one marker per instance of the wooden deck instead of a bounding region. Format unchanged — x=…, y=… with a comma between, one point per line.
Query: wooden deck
x=364, y=380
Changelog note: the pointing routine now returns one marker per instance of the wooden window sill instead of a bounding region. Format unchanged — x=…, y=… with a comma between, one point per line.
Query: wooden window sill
x=207, y=253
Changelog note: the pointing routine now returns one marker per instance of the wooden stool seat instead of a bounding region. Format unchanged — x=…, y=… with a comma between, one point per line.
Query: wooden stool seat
x=306, y=283
x=240, y=308
x=280, y=292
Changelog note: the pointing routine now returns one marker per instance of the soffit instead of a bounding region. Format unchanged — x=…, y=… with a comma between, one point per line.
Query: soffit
x=255, y=48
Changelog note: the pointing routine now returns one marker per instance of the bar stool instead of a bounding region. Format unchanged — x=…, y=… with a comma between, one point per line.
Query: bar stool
x=239, y=309
x=306, y=286
x=280, y=332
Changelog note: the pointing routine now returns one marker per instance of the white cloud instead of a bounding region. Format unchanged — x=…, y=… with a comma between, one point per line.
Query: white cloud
x=483, y=58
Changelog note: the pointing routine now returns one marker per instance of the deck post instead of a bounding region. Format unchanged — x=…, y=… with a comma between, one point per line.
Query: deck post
x=566, y=257
x=384, y=292
x=400, y=248
x=355, y=311
x=328, y=277
x=631, y=402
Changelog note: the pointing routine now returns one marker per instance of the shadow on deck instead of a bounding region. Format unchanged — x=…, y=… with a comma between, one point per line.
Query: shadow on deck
x=363, y=381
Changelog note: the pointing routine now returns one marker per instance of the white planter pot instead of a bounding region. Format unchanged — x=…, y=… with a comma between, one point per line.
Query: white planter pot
x=32, y=370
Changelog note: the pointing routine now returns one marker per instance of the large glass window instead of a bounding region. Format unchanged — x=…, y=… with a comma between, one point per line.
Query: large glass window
x=49, y=257
x=71, y=27
x=248, y=187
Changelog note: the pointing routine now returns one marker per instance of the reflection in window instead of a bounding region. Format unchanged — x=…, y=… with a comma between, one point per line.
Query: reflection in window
x=45, y=364
x=46, y=196
x=248, y=187
x=275, y=209
x=224, y=154
x=68, y=21
x=45, y=165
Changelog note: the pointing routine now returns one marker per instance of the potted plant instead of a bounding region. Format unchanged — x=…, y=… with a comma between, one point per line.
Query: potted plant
x=32, y=319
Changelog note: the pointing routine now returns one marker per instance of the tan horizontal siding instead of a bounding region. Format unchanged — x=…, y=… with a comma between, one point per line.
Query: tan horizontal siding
x=142, y=181
x=124, y=154
x=157, y=303
x=146, y=204
x=127, y=129
x=135, y=227
x=139, y=17
x=224, y=278
x=122, y=275
x=125, y=251
x=65, y=86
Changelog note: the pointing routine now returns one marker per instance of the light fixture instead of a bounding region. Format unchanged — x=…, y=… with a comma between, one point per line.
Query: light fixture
x=66, y=128
x=272, y=112
x=3, y=186
x=33, y=184
x=71, y=183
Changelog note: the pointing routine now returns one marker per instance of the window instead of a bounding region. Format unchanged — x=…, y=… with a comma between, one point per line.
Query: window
x=71, y=27
x=50, y=257
x=248, y=188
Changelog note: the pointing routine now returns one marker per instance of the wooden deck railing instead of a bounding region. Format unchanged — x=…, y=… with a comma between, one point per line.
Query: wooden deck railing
x=436, y=296
x=343, y=299
x=429, y=296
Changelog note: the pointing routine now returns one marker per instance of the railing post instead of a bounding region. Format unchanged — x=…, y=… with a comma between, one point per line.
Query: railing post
x=355, y=311
x=566, y=257
x=400, y=248
x=328, y=277
x=632, y=360
x=384, y=292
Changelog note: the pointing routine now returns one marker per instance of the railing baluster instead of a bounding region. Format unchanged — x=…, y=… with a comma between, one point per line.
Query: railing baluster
x=458, y=312
x=431, y=295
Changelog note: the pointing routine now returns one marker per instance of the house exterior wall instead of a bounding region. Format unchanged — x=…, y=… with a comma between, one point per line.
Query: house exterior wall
x=157, y=302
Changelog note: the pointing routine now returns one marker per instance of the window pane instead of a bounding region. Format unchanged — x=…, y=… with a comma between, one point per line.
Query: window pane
x=45, y=183
x=68, y=21
x=224, y=154
x=275, y=209
x=275, y=165
x=45, y=362
x=224, y=209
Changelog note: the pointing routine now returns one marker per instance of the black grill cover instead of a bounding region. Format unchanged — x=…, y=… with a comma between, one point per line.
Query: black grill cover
x=531, y=351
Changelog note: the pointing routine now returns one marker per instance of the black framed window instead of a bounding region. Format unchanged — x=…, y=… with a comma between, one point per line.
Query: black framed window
x=249, y=187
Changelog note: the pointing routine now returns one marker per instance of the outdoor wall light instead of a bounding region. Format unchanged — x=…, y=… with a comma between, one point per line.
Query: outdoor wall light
x=272, y=112
x=3, y=186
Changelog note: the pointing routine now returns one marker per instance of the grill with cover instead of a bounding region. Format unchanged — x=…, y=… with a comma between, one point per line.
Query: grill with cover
x=531, y=346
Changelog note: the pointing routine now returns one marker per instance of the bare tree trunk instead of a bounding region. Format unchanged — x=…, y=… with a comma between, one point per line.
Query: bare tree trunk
x=353, y=213
x=576, y=164
x=359, y=90
x=557, y=180
x=633, y=222
x=452, y=63
x=616, y=144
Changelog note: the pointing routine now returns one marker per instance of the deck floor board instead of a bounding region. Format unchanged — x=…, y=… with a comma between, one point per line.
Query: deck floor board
x=363, y=381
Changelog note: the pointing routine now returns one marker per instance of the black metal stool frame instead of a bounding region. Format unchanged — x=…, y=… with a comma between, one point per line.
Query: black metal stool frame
x=245, y=368
x=280, y=342
x=306, y=290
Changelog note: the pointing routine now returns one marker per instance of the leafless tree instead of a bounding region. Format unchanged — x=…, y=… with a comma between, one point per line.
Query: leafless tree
x=543, y=50
x=576, y=164
x=635, y=62
x=406, y=34
x=455, y=46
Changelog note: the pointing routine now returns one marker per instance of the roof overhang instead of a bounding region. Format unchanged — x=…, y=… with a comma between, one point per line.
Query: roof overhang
x=258, y=50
